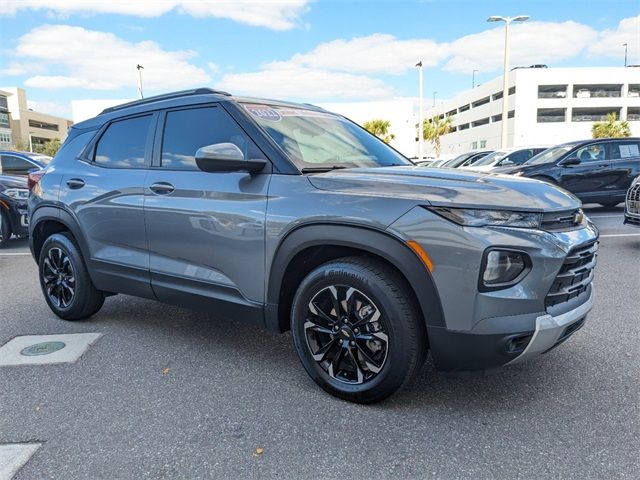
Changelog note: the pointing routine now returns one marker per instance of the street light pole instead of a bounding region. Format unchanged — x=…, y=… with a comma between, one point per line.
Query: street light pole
x=473, y=78
x=625, y=54
x=420, y=114
x=140, y=68
x=505, y=76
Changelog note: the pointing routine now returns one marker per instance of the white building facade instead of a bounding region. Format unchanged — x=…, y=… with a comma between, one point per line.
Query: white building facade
x=547, y=106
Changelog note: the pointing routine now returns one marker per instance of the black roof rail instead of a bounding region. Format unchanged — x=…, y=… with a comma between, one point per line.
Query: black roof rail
x=166, y=96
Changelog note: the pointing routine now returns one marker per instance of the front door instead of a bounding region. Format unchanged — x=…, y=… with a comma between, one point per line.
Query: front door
x=104, y=191
x=206, y=230
x=589, y=179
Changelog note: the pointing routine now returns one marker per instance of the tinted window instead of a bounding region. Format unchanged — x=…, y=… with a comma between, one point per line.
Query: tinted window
x=625, y=149
x=15, y=165
x=592, y=153
x=185, y=131
x=123, y=143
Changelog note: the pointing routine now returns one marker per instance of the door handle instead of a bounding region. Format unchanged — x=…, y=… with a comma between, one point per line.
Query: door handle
x=162, y=188
x=75, y=183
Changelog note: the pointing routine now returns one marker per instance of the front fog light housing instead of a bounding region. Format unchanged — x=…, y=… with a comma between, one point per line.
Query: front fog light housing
x=503, y=269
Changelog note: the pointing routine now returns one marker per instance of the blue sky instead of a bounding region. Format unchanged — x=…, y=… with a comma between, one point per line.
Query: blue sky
x=61, y=50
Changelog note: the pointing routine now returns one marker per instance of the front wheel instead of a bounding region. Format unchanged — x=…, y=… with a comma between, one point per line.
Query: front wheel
x=64, y=279
x=356, y=329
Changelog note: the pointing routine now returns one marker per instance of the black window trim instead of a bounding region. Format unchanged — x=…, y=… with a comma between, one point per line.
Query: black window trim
x=89, y=152
x=156, y=160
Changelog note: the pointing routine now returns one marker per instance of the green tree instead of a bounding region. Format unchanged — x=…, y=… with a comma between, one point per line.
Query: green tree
x=380, y=128
x=611, y=128
x=49, y=148
x=434, y=128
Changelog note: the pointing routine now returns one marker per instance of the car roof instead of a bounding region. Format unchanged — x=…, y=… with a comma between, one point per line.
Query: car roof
x=27, y=155
x=182, y=98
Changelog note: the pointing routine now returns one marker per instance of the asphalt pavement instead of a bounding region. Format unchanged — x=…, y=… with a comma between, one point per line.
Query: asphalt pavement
x=169, y=393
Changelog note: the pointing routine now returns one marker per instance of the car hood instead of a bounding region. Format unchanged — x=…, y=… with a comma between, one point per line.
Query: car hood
x=448, y=187
x=12, y=181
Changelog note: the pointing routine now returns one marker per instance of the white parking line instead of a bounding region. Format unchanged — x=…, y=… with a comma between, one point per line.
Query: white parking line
x=13, y=456
x=606, y=216
x=10, y=254
x=621, y=235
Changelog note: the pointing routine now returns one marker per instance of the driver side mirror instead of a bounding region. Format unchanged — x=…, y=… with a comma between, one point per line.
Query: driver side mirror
x=506, y=162
x=569, y=162
x=226, y=157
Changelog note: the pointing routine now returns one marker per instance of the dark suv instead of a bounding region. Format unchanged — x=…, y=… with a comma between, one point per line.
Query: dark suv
x=596, y=171
x=294, y=218
x=13, y=207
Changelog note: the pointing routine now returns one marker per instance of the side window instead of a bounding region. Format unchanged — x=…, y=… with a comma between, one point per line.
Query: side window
x=12, y=165
x=625, y=149
x=122, y=145
x=592, y=153
x=521, y=156
x=185, y=131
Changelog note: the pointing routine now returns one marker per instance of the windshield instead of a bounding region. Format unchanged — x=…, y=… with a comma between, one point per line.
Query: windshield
x=491, y=158
x=322, y=141
x=550, y=155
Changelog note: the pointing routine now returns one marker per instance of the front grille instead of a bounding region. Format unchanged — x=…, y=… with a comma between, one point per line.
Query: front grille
x=633, y=200
x=565, y=220
x=575, y=275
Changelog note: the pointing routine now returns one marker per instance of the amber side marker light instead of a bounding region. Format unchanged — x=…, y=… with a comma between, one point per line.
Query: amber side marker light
x=419, y=251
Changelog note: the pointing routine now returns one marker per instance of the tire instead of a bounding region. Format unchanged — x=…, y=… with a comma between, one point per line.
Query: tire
x=381, y=306
x=65, y=282
x=5, y=230
x=609, y=204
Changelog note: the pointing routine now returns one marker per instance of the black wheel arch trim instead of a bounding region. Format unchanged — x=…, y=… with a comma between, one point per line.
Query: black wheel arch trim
x=376, y=242
x=62, y=216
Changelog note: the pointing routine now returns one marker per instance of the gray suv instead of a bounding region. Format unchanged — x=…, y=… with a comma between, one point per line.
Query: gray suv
x=294, y=218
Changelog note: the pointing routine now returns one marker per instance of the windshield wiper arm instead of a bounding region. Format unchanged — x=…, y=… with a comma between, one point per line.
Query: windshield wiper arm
x=328, y=168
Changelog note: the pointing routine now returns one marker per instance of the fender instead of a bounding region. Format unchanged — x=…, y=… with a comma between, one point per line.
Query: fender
x=377, y=242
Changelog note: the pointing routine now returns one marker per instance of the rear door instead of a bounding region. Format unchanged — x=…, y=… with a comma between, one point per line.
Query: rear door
x=590, y=179
x=206, y=230
x=625, y=166
x=104, y=191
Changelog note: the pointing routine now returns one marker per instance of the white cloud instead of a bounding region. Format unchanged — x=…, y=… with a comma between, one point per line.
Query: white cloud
x=52, y=108
x=77, y=57
x=530, y=43
x=609, y=42
x=274, y=14
x=377, y=53
x=290, y=81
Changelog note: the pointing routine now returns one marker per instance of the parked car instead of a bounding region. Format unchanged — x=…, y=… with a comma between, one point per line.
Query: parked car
x=596, y=171
x=13, y=207
x=294, y=218
x=21, y=163
x=506, y=157
x=632, y=204
x=470, y=157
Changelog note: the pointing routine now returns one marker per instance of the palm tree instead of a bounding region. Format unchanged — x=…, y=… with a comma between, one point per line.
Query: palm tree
x=434, y=128
x=380, y=128
x=611, y=128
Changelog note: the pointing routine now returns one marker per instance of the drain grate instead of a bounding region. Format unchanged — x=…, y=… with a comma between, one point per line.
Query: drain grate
x=44, y=348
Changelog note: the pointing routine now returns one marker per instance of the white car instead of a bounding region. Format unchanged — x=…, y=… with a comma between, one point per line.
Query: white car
x=506, y=158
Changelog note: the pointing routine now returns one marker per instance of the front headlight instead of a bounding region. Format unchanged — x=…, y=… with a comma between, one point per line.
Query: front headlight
x=471, y=217
x=17, y=193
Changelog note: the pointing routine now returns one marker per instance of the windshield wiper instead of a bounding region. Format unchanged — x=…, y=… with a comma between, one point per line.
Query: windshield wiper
x=328, y=168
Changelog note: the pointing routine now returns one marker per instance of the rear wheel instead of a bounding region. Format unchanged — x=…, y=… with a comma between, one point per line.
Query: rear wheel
x=357, y=330
x=64, y=279
x=5, y=230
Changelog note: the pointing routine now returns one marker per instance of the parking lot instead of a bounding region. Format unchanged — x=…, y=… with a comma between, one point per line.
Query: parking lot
x=168, y=393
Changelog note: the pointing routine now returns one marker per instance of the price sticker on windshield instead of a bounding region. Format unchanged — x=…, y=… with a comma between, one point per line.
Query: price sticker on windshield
x=264, y=112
